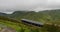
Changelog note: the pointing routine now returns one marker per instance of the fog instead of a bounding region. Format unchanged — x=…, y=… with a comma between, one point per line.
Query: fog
x=7, y=6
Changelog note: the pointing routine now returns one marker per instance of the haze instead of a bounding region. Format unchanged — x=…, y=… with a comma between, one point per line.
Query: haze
x=7, y=6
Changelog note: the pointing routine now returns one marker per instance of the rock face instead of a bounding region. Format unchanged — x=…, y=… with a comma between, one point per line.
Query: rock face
x=7, y=30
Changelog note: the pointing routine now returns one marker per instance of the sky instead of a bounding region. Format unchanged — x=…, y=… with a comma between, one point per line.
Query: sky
x=9, y=6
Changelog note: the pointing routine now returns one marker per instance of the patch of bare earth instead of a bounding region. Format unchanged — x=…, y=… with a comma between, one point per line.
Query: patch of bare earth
x=7, y=30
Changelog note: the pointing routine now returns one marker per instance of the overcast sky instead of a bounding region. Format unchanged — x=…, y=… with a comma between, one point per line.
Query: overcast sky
x=32, y=5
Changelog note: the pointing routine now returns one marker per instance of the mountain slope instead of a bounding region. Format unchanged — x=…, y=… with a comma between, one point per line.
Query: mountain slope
x=51, y=16
x=3, y=14
x=42, y=16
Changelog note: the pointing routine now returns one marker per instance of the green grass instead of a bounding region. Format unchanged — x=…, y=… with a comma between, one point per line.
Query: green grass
x=20, y=27
x=10, y=24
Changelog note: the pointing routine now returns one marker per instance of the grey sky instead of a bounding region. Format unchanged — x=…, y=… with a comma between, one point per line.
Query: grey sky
x=36, y=5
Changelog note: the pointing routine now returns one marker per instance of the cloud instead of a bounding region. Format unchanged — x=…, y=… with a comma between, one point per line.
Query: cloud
x=50, y=4
x=31, y=5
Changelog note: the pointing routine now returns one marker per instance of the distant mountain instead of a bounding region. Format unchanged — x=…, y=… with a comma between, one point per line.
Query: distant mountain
x=47, y=15
x=21, y=14
x=32, y=13
x=43, y=16
x=3, y=14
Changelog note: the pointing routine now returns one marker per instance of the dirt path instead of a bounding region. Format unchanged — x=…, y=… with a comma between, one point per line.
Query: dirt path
x=7, y=30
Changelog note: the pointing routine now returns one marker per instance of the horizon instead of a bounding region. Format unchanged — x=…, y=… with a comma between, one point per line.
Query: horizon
x=29, y=11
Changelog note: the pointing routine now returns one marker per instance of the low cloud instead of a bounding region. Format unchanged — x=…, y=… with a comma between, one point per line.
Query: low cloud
x=30, y=5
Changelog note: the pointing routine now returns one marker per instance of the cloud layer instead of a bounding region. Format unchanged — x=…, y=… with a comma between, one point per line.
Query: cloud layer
x=35, y=5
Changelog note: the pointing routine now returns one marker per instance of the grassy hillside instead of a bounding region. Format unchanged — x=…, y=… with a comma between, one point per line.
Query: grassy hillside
x=6, y=22
x=20, y=27
x=42, y=16
x=51, y=16
x=15, y=24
